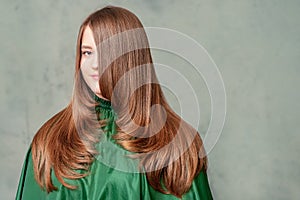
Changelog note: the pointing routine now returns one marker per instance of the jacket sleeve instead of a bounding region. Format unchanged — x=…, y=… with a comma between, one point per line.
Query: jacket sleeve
x=200, y=189
x=28, y=188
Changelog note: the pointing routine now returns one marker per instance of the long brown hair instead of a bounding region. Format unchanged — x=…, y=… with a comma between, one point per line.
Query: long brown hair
x=171, y=158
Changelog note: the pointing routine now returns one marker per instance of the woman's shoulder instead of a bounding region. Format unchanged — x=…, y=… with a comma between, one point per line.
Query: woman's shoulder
x=53, y=122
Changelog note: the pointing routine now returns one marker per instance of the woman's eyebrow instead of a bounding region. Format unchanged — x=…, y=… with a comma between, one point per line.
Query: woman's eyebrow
x=86, y=47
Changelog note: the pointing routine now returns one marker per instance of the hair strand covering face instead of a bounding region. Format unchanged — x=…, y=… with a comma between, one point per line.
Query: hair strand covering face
x=66, y=142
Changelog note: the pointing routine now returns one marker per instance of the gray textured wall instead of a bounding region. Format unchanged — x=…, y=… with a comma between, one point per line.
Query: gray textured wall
x=255, y=44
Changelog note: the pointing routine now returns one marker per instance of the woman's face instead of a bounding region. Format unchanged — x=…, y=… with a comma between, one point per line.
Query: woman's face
x=88, y=62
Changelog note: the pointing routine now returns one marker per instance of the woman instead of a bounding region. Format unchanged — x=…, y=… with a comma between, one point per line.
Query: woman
x=118, y=123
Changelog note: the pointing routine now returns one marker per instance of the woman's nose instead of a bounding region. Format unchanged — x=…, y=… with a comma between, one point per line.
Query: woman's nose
x=94, y=62
x=95, y=67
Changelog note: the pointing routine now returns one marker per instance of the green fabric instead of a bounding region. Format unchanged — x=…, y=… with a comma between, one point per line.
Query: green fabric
x=112, y=175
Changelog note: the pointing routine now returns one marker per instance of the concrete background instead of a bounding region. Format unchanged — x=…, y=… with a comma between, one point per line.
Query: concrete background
x=255, y=44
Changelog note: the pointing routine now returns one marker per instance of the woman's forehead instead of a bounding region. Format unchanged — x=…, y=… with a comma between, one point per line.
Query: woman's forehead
x=88, y=38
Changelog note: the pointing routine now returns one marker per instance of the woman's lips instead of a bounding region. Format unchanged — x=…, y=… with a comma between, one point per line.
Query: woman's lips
x=96, y=77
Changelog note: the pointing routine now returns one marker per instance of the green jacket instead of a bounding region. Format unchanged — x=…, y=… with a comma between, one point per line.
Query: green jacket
x=112, y=176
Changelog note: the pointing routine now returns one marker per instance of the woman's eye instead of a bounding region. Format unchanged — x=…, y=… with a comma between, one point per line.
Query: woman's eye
x=86, y=53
